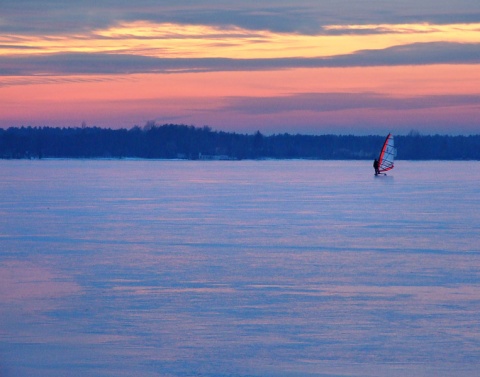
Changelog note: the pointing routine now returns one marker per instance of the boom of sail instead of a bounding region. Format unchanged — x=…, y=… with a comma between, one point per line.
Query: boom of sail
x=387, y=155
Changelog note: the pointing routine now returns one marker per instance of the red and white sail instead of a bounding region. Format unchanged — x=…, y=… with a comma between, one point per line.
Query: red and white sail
x=387, y=155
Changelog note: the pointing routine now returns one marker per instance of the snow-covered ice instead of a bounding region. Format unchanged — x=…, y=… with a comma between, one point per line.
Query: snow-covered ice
x=242, y=268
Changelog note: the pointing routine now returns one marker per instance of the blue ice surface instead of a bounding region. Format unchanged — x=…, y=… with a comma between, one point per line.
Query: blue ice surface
x=239, y=268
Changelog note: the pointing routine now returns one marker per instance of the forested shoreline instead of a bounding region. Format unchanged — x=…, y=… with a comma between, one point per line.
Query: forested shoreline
x=171, y=141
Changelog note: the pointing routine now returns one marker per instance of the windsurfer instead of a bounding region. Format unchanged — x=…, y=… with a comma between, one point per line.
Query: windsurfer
x=375, y=166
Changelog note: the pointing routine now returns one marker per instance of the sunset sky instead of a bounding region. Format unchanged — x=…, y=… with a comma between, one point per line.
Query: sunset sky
x=304, y=66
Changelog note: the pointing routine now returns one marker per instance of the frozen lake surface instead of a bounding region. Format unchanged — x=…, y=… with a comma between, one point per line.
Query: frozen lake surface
x=250, y=268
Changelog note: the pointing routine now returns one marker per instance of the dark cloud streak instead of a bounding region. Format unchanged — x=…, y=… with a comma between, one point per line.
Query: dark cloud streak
x=327, y=102
x=305, y=16
x=100, y=63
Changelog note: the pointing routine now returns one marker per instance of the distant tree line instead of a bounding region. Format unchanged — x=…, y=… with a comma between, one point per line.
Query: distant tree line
x=172, y=141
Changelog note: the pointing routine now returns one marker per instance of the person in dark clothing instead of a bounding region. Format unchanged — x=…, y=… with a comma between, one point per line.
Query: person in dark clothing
x=375, y=166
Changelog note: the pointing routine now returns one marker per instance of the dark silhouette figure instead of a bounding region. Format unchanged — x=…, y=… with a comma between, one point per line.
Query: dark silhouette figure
x=375, y=166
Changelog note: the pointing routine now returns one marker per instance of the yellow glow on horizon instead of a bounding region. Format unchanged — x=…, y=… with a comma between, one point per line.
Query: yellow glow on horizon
x=143, y=29
x=167, y=40
x=407, y=28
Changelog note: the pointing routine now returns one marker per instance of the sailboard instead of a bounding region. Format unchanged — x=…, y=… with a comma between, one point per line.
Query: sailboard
x=387, y=155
